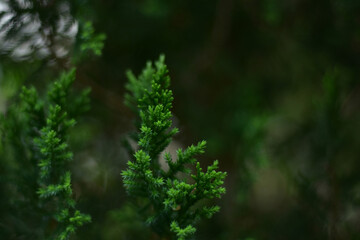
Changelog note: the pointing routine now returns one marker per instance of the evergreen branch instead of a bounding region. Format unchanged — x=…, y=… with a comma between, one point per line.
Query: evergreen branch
x=182, y=233
x=60, y=93
x=170, y=205
x=54, y=178
x=46, y=124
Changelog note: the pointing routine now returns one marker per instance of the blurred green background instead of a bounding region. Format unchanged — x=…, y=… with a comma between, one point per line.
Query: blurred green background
x=272, y=85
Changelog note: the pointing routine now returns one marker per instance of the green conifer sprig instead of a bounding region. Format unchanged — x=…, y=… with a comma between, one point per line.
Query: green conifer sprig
x=137, y=86
x=60, y=93
x=55, y=179
x=182, y=233
x=50, y=153
x=170, y=199
x=53, y=149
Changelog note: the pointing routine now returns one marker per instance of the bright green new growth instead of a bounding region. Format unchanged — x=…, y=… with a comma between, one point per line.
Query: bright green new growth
x=52, y=153
x=171, y=202
x=181, y=234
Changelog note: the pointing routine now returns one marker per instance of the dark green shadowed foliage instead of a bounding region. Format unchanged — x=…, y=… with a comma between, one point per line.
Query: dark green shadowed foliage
x=40, y=202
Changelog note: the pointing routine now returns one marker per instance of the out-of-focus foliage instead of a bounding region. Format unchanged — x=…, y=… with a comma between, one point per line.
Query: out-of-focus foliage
x=92, y=42
x=38, y=199
x=327, y=183
x=246, y=75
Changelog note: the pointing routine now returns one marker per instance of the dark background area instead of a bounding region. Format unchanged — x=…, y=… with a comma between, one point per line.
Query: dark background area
x=272, y=85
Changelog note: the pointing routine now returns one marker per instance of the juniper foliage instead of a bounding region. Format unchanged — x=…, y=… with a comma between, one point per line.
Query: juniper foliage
x=39, y=194
x=170, y=202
